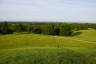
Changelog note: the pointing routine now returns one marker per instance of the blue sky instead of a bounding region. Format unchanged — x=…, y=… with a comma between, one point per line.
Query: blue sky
x=48, y=10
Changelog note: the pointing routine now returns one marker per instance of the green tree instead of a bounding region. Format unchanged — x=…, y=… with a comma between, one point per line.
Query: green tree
x=49, y=29
x=56, y=30
x=66, y=30
x=29, y=28
x=20, y=28
x=37, y=29
x=5, y=28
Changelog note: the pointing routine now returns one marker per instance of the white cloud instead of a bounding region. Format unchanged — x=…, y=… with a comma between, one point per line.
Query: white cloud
x=47, y=10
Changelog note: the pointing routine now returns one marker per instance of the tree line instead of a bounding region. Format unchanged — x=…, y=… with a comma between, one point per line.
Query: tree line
x=63, y=29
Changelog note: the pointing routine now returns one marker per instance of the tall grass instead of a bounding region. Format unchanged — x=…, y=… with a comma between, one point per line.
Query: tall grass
x=46, y=56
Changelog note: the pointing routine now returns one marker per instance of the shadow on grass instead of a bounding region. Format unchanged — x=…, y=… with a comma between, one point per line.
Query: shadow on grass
x=76, y=33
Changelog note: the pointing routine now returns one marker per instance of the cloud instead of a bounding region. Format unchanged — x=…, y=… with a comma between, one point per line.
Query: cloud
x=48, y=10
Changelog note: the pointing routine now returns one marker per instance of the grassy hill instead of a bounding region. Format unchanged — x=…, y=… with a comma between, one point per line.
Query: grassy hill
x=88, y=35
x=46, y=49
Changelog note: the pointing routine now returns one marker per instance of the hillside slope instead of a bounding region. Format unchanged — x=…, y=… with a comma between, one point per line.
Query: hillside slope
x=47, y=49
x=86, y=39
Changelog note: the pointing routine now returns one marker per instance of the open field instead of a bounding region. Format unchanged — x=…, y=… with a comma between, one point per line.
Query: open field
x=87, y=40
x=47, y=31
x=46, y=49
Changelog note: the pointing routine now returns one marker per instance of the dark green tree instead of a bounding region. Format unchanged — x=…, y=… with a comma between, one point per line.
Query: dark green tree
x=20, y=28
x=56, y=30
x=5, y=28
x=49, y=29
x=66, y=30
x=37, y=29
x=29, y=28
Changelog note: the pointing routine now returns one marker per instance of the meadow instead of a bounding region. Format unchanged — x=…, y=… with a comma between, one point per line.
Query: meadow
x=30, y=48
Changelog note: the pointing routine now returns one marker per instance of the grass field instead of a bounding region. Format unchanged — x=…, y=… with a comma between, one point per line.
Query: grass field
x=46, y=49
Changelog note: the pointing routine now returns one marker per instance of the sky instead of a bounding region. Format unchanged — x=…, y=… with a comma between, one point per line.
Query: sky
x=48, y=10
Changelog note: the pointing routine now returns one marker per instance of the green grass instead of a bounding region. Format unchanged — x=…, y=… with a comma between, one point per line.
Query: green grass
x=46, y=49
x=47, y=56
x=37, y=40
x=89, y=35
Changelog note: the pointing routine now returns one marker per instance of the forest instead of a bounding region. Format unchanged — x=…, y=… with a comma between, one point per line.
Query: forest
x=62, y=29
